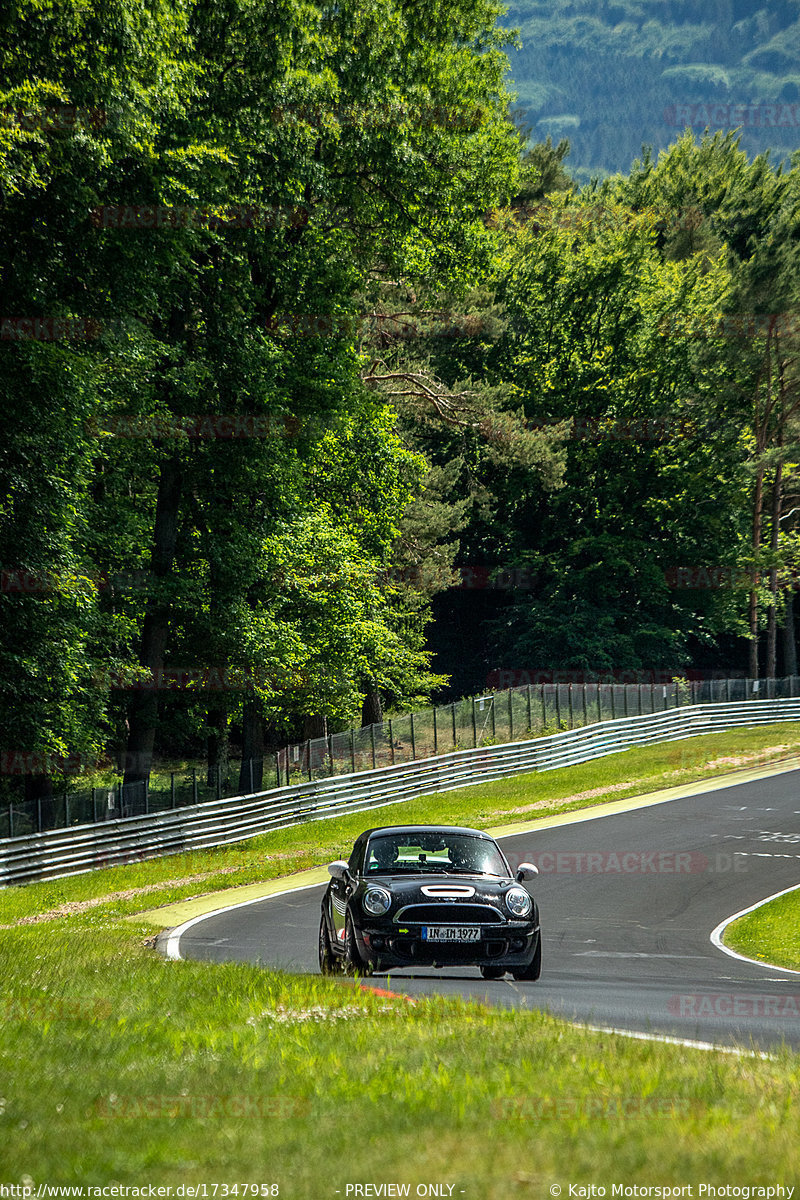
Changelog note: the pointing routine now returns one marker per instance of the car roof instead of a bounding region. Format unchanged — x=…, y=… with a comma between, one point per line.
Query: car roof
x=427, y=829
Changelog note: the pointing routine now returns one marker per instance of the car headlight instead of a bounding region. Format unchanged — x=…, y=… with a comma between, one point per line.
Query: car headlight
x=377, y=901
x=518, y=902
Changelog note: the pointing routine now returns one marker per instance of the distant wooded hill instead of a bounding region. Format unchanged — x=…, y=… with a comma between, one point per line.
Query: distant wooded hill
x=612, y=75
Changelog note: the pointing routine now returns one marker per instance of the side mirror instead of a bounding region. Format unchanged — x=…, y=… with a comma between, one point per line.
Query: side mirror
x=526, y=871
x=338, y=869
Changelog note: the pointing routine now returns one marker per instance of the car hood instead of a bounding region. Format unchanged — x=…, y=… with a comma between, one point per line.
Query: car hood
x=441, y=887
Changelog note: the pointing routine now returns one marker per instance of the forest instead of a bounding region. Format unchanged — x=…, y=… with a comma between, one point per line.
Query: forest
x=617, y=75
x=326, y=391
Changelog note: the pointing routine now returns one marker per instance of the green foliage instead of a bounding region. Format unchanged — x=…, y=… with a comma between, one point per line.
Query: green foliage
x=213, y=175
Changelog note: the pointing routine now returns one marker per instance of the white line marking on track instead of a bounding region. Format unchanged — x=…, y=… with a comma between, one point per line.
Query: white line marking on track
x=627, y=954
x=677, y=1041
x=716, y=934
x=172, y=948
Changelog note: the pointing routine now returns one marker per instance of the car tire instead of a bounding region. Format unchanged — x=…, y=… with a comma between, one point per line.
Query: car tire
x=534, y=968
x=353, y=962
x=328, y=962
x=493, y=972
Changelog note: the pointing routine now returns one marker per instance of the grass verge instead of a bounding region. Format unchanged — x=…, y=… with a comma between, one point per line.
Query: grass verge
x=771, y=933
x=118, y=1066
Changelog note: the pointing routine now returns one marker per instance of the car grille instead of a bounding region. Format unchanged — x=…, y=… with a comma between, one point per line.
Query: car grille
x=450, y=914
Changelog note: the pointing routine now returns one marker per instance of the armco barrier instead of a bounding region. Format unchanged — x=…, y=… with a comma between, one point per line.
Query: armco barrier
x=62, y=852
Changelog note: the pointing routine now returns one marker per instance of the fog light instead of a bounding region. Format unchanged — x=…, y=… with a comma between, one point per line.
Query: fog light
x=518, y=944
x=377, y=943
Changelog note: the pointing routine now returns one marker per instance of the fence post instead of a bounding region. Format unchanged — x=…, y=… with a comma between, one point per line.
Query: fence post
x=308, y=752
x=94, y=806
x=510, y=715
x=530, y=730
x=599, y=703
x=10, y=819
x=147, y=796
x=66, y=809
x=39, y=812
x=250, y=767
x=413, y=739
x=391, y=740
x=435, y=735
x=372, y=737
x=625, y=697
x=544, y=710
x=474, y=726
x=558, y=706
x=172, y=788
x=571, y=711
x=613, y=706
x=352, y=748
x=194, y=784
x=494, y=724
x=453, y=709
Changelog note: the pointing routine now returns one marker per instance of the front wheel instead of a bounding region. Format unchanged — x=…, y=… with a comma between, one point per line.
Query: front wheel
x=328, y=963
x=353, y=962
x=534, y=968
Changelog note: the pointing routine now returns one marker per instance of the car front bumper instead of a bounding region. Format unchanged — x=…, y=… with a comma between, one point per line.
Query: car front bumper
x=508, y=945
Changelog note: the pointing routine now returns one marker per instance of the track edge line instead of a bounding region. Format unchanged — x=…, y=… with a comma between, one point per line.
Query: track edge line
x=715, y=936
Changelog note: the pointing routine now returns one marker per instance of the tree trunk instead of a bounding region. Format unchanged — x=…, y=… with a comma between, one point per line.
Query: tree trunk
x=252, y=747
x=143, y=708
x=753, y=608
x=371, y=709
x=315, y=727
x=789, y=644
x=218, y=746
x=772, y=628
x=39, y=791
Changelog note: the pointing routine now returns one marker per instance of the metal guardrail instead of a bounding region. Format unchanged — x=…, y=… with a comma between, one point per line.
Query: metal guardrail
x=516, y=714
x=62, y=852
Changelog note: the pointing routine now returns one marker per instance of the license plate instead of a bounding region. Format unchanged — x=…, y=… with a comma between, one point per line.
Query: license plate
x=451, y=933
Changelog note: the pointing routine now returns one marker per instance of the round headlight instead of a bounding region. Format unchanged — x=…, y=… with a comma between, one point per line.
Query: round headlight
x=377, y=901
x=518, y=902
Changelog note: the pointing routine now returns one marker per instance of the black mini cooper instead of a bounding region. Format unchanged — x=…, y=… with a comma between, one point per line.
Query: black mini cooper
x=414, y=895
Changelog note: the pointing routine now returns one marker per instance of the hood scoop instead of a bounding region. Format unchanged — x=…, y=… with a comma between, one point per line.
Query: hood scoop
x=447, y=891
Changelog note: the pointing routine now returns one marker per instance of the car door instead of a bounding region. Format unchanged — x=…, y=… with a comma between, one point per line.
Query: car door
x=341, y=890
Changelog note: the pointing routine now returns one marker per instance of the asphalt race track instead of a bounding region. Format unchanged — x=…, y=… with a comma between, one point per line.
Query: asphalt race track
x=628, y=903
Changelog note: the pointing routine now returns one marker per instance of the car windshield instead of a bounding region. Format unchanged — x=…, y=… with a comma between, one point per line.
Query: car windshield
x=451, y=853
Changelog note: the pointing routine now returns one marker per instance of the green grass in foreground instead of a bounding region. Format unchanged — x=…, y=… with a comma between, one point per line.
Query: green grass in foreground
x=508, y=801
x=771, y=933
x=119, y=1066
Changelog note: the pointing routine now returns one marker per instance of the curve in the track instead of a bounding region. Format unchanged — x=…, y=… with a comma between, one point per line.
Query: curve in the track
x=628, y=903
